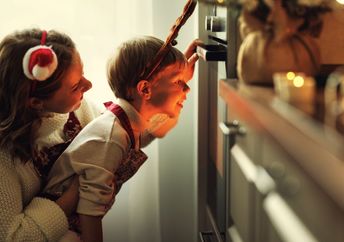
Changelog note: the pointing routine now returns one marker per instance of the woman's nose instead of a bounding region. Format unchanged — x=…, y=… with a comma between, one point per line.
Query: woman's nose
x=86, y=84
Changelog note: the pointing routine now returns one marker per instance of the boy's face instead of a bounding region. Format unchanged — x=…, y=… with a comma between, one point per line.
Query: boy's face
x=169, y=90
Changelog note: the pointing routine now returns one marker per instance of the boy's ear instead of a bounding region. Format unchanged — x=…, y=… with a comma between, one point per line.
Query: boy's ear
x=35, y=103
x=144, y=89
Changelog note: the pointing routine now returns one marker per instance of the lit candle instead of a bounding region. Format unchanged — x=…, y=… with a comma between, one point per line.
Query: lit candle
x=294, y=87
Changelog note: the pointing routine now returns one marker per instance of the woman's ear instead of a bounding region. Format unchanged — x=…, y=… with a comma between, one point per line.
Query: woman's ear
x=144, y=89
x=36, y=103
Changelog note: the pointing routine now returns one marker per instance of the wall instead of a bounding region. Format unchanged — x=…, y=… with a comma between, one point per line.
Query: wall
x=177, y=152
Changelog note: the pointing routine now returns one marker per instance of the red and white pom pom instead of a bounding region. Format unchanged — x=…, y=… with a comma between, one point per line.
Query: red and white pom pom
x=39, y=63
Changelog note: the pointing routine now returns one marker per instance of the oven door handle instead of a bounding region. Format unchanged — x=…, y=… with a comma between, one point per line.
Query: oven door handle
x=230, y=130
x=212, y=52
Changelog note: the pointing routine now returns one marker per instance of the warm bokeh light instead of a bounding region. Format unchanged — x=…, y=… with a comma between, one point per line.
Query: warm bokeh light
x=298, y=81
x=340, y=1
x=220, y=1
x=290, y=75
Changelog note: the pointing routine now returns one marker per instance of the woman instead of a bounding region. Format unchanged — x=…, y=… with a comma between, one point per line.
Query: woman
x=26, y=104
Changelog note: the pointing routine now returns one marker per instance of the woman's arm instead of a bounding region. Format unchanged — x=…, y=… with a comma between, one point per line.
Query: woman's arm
x=38, y=220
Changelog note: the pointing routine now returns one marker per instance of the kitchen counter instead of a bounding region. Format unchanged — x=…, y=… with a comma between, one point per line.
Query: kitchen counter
x=304, y=131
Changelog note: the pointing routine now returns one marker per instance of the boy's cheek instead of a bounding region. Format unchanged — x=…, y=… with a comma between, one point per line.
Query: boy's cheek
x=158, y=99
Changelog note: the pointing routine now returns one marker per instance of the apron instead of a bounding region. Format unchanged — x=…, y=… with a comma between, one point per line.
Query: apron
x=128, y=167
x=135, y=158
x=45, y=158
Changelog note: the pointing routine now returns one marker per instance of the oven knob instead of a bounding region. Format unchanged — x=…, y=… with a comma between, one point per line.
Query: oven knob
x=218, y=24
x=215, y=23
x=208, y=23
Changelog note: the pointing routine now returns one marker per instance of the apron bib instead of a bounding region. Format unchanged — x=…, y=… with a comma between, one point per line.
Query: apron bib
x=135, y=158
x=45, y=158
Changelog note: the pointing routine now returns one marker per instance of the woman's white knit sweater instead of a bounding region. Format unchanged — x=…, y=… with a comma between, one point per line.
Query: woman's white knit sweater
x=23, y=216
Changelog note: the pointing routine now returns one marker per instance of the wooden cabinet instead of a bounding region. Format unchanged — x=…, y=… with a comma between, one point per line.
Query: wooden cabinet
x=311, y=205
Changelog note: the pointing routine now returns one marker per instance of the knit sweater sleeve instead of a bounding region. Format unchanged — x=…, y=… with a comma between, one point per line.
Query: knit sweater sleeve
x=39, y=220
x=88, y=111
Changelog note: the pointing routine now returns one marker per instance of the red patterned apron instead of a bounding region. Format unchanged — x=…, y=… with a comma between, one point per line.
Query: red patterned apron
x=45, y=158
x=135, y=158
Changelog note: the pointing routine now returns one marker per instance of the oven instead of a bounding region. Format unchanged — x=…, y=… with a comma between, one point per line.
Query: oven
x=216, y=136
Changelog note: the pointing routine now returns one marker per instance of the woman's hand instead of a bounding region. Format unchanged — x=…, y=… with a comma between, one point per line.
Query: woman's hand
x=69, y=199
x=192, y=57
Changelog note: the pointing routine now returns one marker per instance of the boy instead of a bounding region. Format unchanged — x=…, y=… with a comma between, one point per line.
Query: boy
x=106, y=153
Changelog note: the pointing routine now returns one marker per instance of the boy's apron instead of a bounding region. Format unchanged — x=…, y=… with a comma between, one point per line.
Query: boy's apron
x=135, y=158
x=45, y=158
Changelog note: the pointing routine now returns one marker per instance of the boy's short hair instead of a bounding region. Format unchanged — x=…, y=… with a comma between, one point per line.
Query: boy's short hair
x=127, y=67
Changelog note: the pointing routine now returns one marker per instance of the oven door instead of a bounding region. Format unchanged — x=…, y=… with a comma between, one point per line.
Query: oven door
x=217, y=130
x=217, y=176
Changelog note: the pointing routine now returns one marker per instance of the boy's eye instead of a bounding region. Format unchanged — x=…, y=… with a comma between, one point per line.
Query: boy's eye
x=180, y=83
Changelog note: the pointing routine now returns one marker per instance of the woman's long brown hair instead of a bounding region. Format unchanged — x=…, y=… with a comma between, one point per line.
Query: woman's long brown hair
x=18, y=121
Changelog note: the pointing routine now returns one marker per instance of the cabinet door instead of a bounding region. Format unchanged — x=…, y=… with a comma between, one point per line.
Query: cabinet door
x=307, y=201
x=283, y=224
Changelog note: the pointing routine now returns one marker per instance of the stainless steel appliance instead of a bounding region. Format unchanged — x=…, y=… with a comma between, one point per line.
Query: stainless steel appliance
x=219, y=34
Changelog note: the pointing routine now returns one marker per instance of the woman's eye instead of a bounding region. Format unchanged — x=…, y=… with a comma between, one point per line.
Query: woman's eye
x=76, y=87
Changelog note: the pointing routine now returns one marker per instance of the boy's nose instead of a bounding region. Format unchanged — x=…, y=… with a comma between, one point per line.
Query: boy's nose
x=186, y=88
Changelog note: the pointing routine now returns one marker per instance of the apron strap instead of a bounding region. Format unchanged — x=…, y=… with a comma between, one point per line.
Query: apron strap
x=45, y=158
x=123, y=118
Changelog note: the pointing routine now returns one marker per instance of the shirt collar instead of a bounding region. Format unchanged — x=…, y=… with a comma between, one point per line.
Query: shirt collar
x=138, y=123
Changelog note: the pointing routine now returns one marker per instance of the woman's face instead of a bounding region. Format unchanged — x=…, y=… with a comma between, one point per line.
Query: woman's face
x=68, y=97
